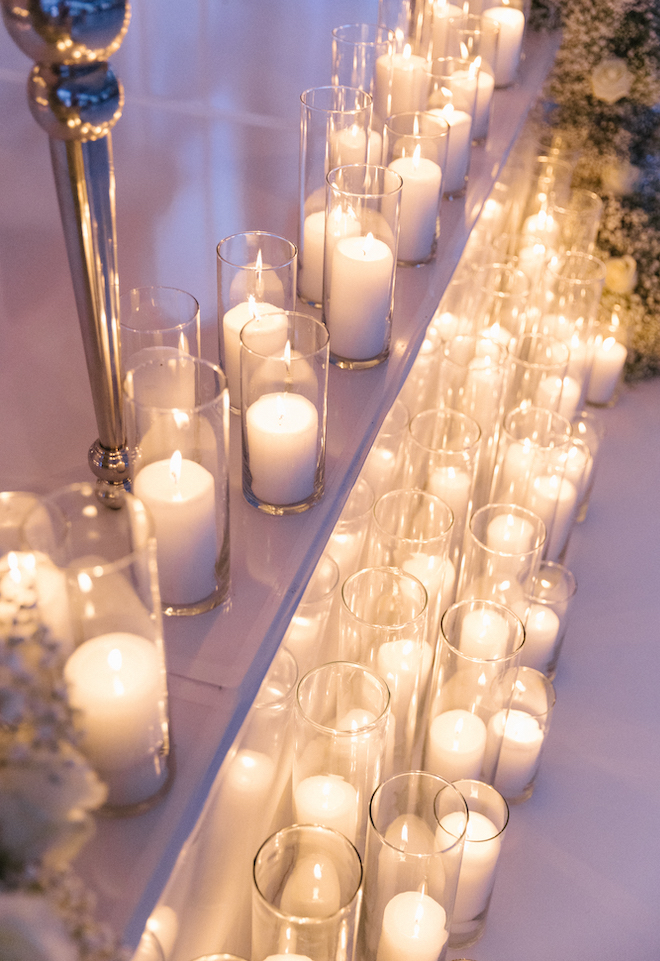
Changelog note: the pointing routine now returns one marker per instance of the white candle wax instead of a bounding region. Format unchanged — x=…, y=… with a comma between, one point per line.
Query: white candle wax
x=446, y=324
x=481, y=120
x=274, y=331
x=517, y=469
x=480, y=853
x=360, y=297
x=484, y=634
x=541, y=630
x=414, y=928
x=312, y=890
x=521, y=739
x=442, y=13
x=609, y=358
x=452, y=485
x=404, y=666
x=510, y=534
x=349, y=146
x=356, y=719
x=400, y=84
x=459, y=142
x=560, y=394
x=328, y=800
x=512, y=26
x=429, y=569
x=183, y=507
x=378, y=470
x=554, y=499
x=310, y=275
x=420, y=199
x=456, y=745
x=116, y=682
x=481, y=387
x=282, y=441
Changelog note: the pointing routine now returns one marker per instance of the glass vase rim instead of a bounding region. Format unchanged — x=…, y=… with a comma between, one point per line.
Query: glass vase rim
x=520, y=511
x=505, y=803
x=293, y=248
x=316, y=325
x=198, y=362
x=389, y=37
x=333, y=93
x=358, y=732
x=426, y=496
x=382, y=172
x=452, y=414
x=564, y=436
x=551, y=343
x=175, y=290
x=428, y=115
x=505, y=612
x=391, y=570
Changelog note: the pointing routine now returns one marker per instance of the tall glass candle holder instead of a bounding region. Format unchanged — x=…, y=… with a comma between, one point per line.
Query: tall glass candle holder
x=420, y=388
x=610, y=355
x=361, y=244
x=452, y=95
x=306, y=634
x=501, y=304
x=156, y=322
x=177, y=430
x=488, y=816
x=502, y=555
x=305, y=895
x=415, y=146
x=411, y=529
x=334, y=131
x=511, y=21
x=347, y=540
x=547, y=617
x=536, y=368
x=442, y=457
x=531, y=471
x=383, y=624
x=588, y=427
x=382, y=468
x=111, y=633
x=356, y=49
x=414, y=848
x=516, y=735
x=479, y=641
x=284, y=399
x=256, y=276
x=340, y=724
x=471, y=37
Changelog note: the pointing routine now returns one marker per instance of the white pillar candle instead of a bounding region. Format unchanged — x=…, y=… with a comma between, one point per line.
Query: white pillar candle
x=378, y=470
x=456, y=745
x=420, y=200
x=180, y=494
x=559, y=393
x=400, y=84
x=274, y=330
x=360, y=297
x=541, y=630
x=481, y=850
x=310, y=276
x=349, y=146
x=452, y=485
x=521, y=740
x=282, y=440
x=442, y=13
x=429, y=569
x=509, y=44
x=484, y=635
x=510, y=534
x=609, y=358
x=356, y=719
x=554, y=499
x=312, y=890
x=414, y=928
x=116, y=682
x=328, y=800
x=459, y=143
x=485, y=89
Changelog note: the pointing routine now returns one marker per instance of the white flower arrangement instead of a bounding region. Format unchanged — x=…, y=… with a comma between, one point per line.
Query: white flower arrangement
x=47, y=791
x=604, y=96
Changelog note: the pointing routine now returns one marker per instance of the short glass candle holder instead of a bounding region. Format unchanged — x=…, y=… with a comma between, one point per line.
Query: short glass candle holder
x=414, y=846
x=516, y=735
x=479, y=642
x=256, y=276
x=383, y=625
x=610, y=355
x=177, y=430
x=488, y=816
x=156, y=323
x=361, y=232
x=511, y=21
x=305, y=895
x=452, y=95
x=334, y=131
x=415, y=146
x=547, y=617
x=284, y=400
x=106, y=617
x=470, y=38
x=340, y=729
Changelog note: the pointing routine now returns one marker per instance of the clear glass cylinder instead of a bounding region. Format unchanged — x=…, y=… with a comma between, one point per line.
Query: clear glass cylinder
x=177, y=432
x=347, y=540
x=157, y=322
x=305, y=895
x=479, y=642
x=415, y=146
x=511, y=20
x=501, y=304
x=547, y=617
x=306, y=634
x=284, y=401
x=340, y=726
x=384, y=463
x=356, y=49
x=535, y=372
x=516, y=734
x=488, y=816
x=577, y=221
x=452, y=95
x=383, y=624
x=256, y=276
x=588, y=427
x=361, y=243
x=334, y=130
x=471, y=37
x=420, y=389
x=105, y=612
x=610, y=355
x=414, y=847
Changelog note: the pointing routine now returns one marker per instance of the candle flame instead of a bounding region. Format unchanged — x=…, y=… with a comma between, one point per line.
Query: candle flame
x=609, y=343
x=259, y=263
x=287, y=353
x=407, y=51
x=417, y=155
x=84, y=582
x=473, y=69
x=252, y=306
x=448, y=111
x=115, y=659
x=368, y=244
x=175, y=466
x=416, y=126
x=259, y=285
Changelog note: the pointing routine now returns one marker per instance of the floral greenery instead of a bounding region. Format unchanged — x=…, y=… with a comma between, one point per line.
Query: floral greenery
x=47, y=791
x=604, y=99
